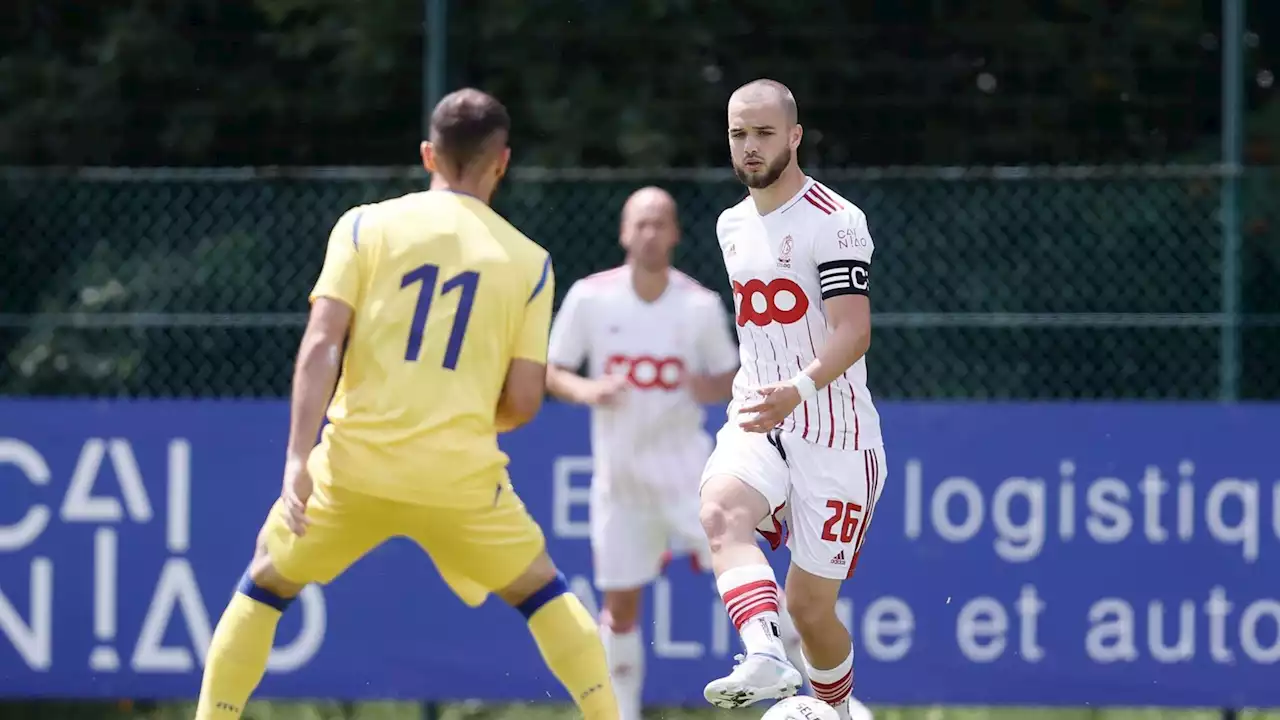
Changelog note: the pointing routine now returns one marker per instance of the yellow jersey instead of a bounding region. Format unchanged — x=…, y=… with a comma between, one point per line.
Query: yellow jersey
x=445, y=294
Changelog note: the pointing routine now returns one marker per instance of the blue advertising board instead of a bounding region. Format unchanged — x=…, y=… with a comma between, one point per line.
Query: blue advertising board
x=1060, y=554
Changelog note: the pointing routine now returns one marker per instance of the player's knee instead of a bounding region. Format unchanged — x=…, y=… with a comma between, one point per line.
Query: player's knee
x=812, y=606
x=264, y=583
x=621, y=610
x=553, y=589
x=724, y=522
x=539, y=575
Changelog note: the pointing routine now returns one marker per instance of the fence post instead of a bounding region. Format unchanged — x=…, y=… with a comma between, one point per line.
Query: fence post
x=1232, y=147
x=435, y=57
x=1232, y=129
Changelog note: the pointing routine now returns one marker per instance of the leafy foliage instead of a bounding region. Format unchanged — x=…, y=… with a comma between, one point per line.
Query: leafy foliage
x=596, y=83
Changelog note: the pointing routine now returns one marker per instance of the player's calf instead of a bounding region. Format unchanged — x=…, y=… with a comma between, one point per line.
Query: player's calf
x=624, y=648
x=566, y=635
x=828, y=649
x=241, y=644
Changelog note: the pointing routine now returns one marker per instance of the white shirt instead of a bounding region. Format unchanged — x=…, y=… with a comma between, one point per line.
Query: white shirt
x=782, y=266
x=657, y=345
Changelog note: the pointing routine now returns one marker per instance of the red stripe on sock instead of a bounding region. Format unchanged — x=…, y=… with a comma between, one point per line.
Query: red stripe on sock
x=749, y=600
x=743, y=589
x=749, y=596
x=834, y=693
x=830, y=685
x=835, y=699
x=741, y=618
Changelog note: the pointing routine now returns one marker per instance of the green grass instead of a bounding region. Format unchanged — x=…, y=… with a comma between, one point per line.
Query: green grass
x=477, y=711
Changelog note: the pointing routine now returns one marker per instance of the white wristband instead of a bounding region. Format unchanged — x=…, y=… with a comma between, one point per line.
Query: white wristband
x=805, y=385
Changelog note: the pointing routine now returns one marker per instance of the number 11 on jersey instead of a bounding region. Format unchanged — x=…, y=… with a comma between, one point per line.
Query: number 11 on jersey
x=428, y=275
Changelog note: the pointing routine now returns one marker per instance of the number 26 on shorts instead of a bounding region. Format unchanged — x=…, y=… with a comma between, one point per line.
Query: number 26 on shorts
x=845, y=514
x=429, y=275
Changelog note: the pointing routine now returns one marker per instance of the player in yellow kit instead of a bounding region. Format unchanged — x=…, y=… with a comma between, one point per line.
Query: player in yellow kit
x=444, y=309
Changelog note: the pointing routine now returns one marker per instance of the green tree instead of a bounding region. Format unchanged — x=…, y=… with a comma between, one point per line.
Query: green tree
x=598, y=83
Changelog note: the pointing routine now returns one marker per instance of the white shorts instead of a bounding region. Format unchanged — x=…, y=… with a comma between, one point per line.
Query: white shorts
x=644, y=511
x=629, y=541
x=822, y=498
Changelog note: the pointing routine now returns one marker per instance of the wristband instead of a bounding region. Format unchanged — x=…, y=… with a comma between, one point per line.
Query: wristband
x=805, y=385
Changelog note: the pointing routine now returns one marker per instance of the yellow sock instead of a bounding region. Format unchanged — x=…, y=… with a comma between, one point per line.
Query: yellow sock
x=570, y=643
x=237, y=658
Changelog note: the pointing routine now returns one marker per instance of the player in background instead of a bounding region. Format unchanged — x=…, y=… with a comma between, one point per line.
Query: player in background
x=802, y=442
x=657, y=348
x=445, y=310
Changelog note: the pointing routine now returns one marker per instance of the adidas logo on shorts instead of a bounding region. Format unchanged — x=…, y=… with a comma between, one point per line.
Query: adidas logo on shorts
x=838, y=559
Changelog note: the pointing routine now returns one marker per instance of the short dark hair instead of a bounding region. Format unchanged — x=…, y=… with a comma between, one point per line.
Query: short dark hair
x=465, y=124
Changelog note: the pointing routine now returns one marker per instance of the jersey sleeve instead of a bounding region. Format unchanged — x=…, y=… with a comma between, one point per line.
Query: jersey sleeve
x=532, y=342
x=340, y=276
x=723, y=231
x=842, y=249
x=718, y=349
x=569, y=336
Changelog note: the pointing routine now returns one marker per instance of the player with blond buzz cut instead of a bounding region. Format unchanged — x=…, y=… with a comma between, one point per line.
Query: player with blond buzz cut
x=802, y=442
x=656, y=346
x=445, y=310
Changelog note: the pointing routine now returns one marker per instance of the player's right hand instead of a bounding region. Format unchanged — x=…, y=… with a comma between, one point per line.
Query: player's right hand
x=607, y=390
x=294, y=495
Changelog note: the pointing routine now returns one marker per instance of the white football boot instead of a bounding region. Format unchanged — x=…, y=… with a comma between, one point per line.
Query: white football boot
x=756, y=677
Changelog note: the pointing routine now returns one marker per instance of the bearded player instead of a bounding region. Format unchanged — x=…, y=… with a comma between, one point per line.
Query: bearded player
x=802, y=442
x=444, y=310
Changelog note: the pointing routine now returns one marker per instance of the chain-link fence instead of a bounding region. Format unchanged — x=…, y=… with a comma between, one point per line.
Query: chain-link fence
x=1052, y=283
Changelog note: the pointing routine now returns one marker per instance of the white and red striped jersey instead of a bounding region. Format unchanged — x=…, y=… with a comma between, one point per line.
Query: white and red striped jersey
x=657, y=345
x=783, y=266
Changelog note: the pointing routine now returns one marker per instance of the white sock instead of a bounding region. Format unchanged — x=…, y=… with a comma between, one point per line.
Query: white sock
x=625, y=652
x=750, y=596
x=832, y=686
x=790, y=636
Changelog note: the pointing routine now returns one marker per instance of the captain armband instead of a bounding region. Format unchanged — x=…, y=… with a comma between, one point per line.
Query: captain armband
x=844, y=277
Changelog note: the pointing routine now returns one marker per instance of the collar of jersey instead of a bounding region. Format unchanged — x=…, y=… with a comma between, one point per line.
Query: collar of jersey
x=808, y=183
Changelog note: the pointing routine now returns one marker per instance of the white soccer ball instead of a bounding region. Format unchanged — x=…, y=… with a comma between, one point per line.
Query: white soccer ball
x=801, y=707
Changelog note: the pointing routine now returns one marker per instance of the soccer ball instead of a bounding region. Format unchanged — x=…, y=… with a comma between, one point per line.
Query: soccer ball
x=801, y=707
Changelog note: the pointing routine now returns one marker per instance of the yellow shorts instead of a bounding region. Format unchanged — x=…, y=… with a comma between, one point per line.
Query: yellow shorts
x=478, y=549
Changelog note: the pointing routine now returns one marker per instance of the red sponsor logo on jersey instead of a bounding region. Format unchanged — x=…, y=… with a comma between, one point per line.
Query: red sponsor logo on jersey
x=780, y=300
x=646, y=372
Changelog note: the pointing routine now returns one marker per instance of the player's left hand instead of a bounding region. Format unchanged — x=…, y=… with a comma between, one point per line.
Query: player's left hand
x=775, y=402
x=294, y=495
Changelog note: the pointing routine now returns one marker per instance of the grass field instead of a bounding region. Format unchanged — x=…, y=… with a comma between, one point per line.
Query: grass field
x=477, y=711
